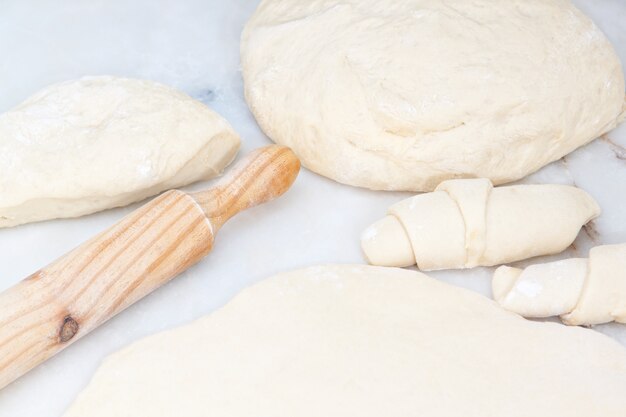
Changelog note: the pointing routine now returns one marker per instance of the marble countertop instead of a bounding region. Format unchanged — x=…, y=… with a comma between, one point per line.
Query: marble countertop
x=193, y=45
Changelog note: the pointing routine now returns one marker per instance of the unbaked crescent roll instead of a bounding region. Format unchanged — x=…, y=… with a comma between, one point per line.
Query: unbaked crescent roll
x=466, y=223
x=581, y=291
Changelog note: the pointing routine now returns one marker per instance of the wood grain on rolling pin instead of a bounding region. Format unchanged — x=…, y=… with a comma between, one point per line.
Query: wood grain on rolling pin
x=60, y=303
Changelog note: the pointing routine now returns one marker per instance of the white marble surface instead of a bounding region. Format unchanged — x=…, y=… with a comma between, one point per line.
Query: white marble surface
x=193, y=45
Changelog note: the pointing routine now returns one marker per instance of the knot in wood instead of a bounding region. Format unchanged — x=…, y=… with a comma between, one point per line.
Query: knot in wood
x=69, y=328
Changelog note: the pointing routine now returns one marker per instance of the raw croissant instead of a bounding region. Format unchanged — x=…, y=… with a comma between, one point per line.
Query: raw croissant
x=581, y=291
x=466, y=223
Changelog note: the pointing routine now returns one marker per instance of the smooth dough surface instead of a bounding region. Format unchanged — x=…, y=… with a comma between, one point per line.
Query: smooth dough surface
x=466, y=223
x=401, y=95
x=82, y=146
x=361, y=341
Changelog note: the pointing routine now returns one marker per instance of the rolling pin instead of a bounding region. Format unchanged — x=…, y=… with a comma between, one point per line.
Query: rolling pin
x=64, y=301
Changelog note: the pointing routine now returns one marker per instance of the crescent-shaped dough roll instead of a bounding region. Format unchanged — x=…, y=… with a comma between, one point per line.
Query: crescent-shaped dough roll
x=581, y=291
x=466, y=223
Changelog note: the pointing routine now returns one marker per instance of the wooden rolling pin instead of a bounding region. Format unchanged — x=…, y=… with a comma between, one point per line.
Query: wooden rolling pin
x=64, y=301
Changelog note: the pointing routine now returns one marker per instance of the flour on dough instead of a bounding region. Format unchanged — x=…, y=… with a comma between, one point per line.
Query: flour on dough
x=581, y=291
x=401, y=95
x=82, y=146
x=361, y=341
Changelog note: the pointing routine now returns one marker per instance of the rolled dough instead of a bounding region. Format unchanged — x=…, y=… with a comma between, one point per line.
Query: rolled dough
x=401, y=95
x=581, y=291
x=361, y=341
x=467, y=223
x=99, y=142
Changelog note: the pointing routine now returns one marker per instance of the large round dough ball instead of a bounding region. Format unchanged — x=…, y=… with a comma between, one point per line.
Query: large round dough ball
x=400, y=95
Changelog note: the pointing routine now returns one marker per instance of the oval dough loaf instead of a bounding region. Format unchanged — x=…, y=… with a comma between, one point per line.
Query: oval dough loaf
x=581, y=291
x=468, y=223
x=401, y=95
x=361, y=341
x=99, y=142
